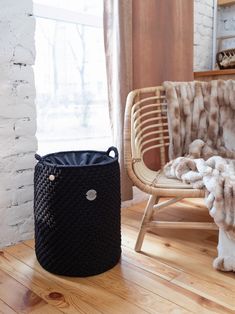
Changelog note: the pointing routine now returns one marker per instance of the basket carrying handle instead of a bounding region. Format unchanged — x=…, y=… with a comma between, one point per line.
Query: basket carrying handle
x=38, y=157
x=113, y=149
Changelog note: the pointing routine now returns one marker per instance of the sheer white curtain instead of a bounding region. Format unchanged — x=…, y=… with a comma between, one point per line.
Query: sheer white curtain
x=118, y=51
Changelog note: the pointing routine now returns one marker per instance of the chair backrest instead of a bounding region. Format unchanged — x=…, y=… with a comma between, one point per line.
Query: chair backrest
x=146, y=125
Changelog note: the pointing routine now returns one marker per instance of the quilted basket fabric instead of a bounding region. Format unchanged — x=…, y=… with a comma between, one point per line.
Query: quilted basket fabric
x=77, y=214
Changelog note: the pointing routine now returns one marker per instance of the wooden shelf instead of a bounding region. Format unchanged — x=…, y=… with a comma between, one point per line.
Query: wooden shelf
x=226, y=2
x=214, y=73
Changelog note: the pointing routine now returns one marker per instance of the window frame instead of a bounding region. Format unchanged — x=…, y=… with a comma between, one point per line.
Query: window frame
x=64, y=15
x=88, y=20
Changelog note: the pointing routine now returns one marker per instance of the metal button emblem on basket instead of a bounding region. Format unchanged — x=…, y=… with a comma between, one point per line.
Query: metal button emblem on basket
x=51, y=177
x=91, y=195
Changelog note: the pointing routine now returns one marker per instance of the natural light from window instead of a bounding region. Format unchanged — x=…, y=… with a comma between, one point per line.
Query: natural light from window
x=70, y=76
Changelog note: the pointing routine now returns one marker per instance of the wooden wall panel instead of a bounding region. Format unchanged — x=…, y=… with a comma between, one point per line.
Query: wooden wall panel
x=162, y=45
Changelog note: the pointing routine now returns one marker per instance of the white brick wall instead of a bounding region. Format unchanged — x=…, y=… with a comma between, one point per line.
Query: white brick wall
x=226, y=25
x=17, y=120
x=203, y=34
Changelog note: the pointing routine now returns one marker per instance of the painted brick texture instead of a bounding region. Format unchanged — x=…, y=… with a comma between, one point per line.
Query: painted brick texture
x=226, y=26
x=17, y=120
x=203, y=34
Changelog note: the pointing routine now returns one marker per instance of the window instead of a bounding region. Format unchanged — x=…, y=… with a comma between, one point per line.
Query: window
x=70, y=76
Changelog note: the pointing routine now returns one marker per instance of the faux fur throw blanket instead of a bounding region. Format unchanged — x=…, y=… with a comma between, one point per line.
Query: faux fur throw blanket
x=201, y=118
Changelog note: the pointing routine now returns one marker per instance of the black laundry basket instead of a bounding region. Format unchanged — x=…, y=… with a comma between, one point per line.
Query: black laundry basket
x=77, y=212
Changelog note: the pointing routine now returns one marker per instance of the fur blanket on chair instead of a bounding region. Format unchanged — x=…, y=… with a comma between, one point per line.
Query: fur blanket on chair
x=201, y=118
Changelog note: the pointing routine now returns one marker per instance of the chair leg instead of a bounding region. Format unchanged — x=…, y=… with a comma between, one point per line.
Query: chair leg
x=146, y=218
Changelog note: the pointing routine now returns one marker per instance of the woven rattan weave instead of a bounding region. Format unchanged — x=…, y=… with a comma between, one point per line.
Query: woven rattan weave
x=146, y=131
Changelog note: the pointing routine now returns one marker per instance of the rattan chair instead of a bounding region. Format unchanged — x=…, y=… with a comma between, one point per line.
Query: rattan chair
x=146, y=131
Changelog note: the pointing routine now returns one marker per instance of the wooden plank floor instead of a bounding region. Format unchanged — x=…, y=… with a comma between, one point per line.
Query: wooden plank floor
x=173, y=274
